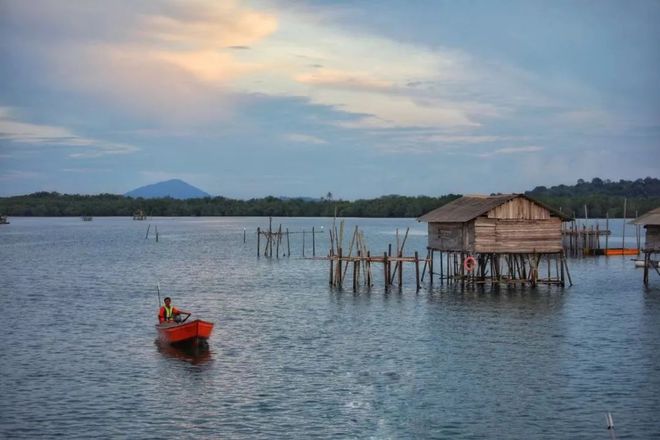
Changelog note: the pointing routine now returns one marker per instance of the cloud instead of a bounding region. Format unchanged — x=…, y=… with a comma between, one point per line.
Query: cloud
x=210, y=66
x=210, y=25
x=179, y=61
x=344, y=80
x=39, y=134
x=513, y=150
x=305, y=138
x=11, y=175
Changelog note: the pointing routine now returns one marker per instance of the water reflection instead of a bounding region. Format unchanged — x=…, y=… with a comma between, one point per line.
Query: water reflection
x=194, y=355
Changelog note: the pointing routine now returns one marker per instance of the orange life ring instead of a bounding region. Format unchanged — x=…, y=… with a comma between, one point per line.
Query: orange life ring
x=470, y=264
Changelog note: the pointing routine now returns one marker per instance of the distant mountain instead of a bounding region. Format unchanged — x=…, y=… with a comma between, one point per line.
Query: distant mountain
x=175, y=188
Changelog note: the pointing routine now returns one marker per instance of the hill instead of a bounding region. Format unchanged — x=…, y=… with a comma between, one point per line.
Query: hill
x=175, y=188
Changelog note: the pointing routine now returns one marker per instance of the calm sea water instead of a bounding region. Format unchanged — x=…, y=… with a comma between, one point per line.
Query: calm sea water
x=291, y=358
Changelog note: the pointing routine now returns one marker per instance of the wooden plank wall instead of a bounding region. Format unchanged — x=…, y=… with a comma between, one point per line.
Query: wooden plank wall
x=512, y=236
x=652, y=237
x=446, y=236
x=518, y=209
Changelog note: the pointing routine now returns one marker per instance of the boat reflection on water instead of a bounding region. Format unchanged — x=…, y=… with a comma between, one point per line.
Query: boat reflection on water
x=193, y=354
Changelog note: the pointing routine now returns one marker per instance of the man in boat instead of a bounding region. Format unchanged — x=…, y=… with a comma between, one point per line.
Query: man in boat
x=169, y=313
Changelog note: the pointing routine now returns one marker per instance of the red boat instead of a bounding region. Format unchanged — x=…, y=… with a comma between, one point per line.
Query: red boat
x=193, y=333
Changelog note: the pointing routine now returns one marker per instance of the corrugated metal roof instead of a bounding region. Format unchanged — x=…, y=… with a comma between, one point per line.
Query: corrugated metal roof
x=650, y=218
x=469, y=207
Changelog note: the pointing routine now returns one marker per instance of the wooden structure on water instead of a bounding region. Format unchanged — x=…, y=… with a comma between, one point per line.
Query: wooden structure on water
x=651, y=222
x=139, y=215
x=583, y=241
x=86, y=218
x=3, y=220
x=508, y=238
x=275, y=240
x=360, y=262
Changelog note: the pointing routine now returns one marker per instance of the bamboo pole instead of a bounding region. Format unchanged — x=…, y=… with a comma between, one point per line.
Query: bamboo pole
x=270, y=235
x=400, y=271
x=417, y=269
x=623, y=240
x=350, y=249
x=386, y=275
x=313, y=242
x=279, y=238
x=607, y=230
x=339, y=277
x=331, y=258
x=399, y=251
x=258, y=242
x=368, y=269
x=303, y=243
x=426, y=262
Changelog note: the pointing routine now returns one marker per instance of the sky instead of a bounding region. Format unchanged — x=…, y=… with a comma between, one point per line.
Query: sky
x=356, y=98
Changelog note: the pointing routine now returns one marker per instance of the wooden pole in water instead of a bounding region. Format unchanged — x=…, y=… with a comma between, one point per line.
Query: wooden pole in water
x=339, y=280
x=277, y=244
x=270, y=235
x=244, y=235
x=568, y=273
x=607, y=230
x=331, y=258
x=303, y=245
x=369, y=269
x=156, y=233
x=350, y=249
x=356, y=271
x=386, y=275
x=313, y=242
x=288, y=247
x=258, y=242
x=148, y=227
x=417, y=268
x=623, y=240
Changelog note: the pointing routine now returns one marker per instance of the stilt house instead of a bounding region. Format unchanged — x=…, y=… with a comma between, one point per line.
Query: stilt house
x=651, y=223
x=493, y=231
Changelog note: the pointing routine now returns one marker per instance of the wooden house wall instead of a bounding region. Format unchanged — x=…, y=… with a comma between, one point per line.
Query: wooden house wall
x=489, y=235
x=512, y=236
x=519, y=209
x=652, y=237
x=448, y=236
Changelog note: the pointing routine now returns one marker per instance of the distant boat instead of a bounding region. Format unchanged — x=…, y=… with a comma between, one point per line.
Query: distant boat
x=639, y=262
x=139, y=215
x=615, y=251
x=3, y=220
x=87, y=218
x=193, y=333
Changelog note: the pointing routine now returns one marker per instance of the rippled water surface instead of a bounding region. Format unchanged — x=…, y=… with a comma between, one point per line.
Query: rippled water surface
x=291, y=358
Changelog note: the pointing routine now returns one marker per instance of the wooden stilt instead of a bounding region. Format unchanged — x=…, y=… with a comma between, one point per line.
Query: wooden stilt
x=417, y=269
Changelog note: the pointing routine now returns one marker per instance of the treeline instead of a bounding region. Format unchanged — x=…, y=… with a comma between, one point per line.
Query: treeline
x=52, y=204
x=601, y=197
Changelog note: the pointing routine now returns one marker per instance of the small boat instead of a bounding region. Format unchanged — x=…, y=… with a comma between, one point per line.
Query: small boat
x=193, y=333
x=613, y=251
x=639, y=262
x=622, y=251
x=3, y=220
x=87, y=218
